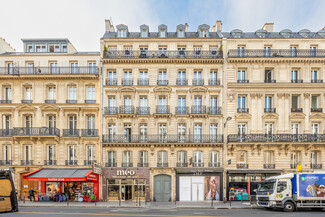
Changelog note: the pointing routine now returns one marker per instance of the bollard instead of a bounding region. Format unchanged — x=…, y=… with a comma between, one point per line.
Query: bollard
x=139, y=202
x=24, y=198
x=95, y=202
x=119, y=201
x=230, y=202
x=241, y=198
x=212, y=202
x=68, y=200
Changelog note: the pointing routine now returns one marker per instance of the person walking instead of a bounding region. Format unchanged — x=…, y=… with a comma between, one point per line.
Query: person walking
x=31, y=194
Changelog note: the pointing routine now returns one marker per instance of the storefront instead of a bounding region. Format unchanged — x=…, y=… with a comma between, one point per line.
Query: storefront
x=200, y=184
x=126, y=184
x=66, y=184
x=241, y=183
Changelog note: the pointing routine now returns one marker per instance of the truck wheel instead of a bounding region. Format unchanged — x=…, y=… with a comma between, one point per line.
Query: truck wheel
x=289, y=207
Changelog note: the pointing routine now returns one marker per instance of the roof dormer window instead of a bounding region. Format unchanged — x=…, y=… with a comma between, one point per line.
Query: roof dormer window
x=144, y=29
x=122, y=31
x=180, y=31
x=203, y=31
x=162, y=31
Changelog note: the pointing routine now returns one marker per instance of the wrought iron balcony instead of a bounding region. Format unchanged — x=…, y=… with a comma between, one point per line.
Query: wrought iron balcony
x=242, y=110
x=269, y=81
x=214, y=82
x=316, y=166
x=5, y=101
x=110, y=164
x=297, y=81
x=110, y=110
x=293, y=166
x=26, y=101
x=198, y=81
x=181, y=81
x=198, y=164
x=89, y=162
x=296, y=109
x=143, y=110
x=36, y=131
x=162, y=109
x=143, y=81
x=316, y=109
x=5, y=162
x=127, y=81
x=71, y=101
x=242, y=81
x=276, y=138
x=269, y=110
x=111, y=82
x=89, y=132
x=26, y=162
x=162, y=164
x=269, y=166
x=181, y=110
x=6, y=132
x=214, y=164
x=71, y=133
x=71, y=162
x=126, y=109
x=90, y=101
x=127, y=164
x=242, y=166
x=316, y=81
x=273, y=53
x=49, y=162
x=162, y=54
x=198, y=110
x=162, y=82
x=182, y=164
x=143, y=164
x=81, y=70
x=214, y=110
x=50, y=101
x=108, y=138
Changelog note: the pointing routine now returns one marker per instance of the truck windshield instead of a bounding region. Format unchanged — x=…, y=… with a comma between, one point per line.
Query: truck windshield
x=266, y=186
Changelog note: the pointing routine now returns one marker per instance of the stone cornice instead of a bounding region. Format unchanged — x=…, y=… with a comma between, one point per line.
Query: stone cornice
x=277, y=60
x=162, y=61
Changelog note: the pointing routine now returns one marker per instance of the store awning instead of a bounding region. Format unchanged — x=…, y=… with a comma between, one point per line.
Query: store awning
x=254, y=171
x=61, y=175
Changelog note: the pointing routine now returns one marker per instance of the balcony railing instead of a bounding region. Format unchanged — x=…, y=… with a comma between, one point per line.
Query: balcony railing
x=198, y=110
x=197, y=164
x=293, y=166
x=162, y=109
x=162, y=82
x=110, y=164
x=242, y=81
x=297, y=81
x=127, y=164
x=71, y=133
x=316, y=166
x=126, y=109
x=276, y=138
x=162, y=54
x=26, y=101
x=5, y=101
x=127, y=81
x=50, y=101
x=181, y=81
x=49, y=162
x=89, y=132
x=6, y=132
x=162, y=164
x=89, y=162
x=111, y=82
x=110, y=110
x=81, y=70
x=181, y=110
x=242, y=110
x=143, y=164
x=214, y=164
x=269, y=110
x=269, y=166
x=107, y=138
x=36, y=131
x=26, y=162
x=272, y=53
x=316, y=81
x=183, y=164
x=214, y=82
x=71, y=101
x=71, y=162
x=214, y=110
x=143, y=81
x=198, y=81
x=316, y=109
x=242, y=166
x=269, y=81
x=90, y=101
x=296, y=109
x=143, y=110
x=5, y=162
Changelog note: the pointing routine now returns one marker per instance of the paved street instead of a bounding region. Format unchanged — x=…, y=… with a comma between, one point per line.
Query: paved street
x=136, y=212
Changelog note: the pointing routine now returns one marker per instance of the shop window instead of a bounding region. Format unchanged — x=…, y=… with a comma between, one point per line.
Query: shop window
x=126, y=189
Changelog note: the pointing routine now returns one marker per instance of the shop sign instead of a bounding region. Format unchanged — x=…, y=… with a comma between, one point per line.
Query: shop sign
x=197, y=173
x=97, y=169
x=125, y=174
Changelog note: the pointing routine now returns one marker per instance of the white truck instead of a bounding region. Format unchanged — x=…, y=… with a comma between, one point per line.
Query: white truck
x=292, y=191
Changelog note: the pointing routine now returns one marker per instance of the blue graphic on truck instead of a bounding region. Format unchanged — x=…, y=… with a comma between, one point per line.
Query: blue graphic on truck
x=312, y=185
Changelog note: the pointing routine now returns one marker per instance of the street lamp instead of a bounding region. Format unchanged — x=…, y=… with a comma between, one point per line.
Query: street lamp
x=224, y=156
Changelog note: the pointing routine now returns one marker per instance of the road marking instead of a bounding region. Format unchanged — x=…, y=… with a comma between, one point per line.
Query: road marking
x=115, y=214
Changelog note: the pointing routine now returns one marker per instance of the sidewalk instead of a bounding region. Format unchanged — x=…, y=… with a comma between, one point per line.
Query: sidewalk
x=148, y=205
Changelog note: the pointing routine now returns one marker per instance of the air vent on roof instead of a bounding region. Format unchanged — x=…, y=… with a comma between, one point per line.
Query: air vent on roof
x=286, y=33
x=236, y=33
x=261, y=33
x=321, y=33
x=304, y=33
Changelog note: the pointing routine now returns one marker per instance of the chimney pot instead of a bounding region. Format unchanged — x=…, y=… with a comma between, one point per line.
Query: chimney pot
x=268, y=27
x=186, y=27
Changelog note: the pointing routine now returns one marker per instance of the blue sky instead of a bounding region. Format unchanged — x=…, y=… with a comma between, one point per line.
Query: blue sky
x=82, y=21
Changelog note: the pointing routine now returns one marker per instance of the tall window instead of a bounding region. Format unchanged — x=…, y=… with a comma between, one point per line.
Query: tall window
x=127, y=158
x=198, y=159
x=213, y=77
x=314, y=102
x=51, y=154
x=92, y=68
x=181, y=105
x=181, y=77
x=127, y=133
x=52, y=124
x=315, y=159
x=28, y=121
x=28, y=93
x=242, y=157
x=181, y=159
x=111, y=159
x=241, y=75
x=181, y=132
x=51, y=93
x=268, y=102
x=72, y=93
x=74, y=68
x=295, y=158
x=295, y=102
x=112, y=109
x=293, y=51
x=314, y=76
x=197, y=78
x=111, y=132
x=213, y=132
x=294, y=76
x=267, y=51
x=198, y=108
x=143, y=158
x=111, y=78
x=143, y=77
x=91, y=122
x=162, y=159
x=268, y=129
x=241, y=102
x=214, y=159
x=72, y=155
x=242, y=129
x=90, y=93
x=90, y=153
x=162, y=131
x=143, y=101
x=241, y=51
x=128, y=108
x=162, y=77
x=6, y=124
x=127, y=79
x=72, y=124
x=30, y=68
x=27, y=153
x=313, y=51
x=162, y=105
x=268, y=76
x=197, y=132
x=143, y=130
x=7, y=153
x=295, y=131
x=269, y=157
x=7, y=93
x=54, y=68
x=315, y=128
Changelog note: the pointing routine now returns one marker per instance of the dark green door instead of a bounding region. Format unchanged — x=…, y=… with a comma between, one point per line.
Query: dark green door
x=162, y=188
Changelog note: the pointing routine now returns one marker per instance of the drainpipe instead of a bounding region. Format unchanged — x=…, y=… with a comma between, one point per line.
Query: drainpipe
x=101, y=121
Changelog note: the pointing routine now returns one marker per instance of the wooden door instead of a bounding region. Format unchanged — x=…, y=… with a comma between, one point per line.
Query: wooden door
x=26, y=185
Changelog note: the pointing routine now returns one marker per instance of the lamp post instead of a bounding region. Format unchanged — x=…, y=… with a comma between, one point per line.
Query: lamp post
x=224, y=148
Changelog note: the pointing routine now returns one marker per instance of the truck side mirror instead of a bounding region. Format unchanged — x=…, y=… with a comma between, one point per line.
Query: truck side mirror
x=255, y=190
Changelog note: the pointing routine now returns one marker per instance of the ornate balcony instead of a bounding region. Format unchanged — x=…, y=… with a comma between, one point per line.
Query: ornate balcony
x=110, y=164
x=162, y=164
x=5, y=101
x=26, y=162
x=162, y=109
x=197, y=164
x=162, y=82
x=296, y=110
x=183, y=164
x=126, y=109
x=242, y=166
x=71, y=162
x=26, y=101
x=316, y=166
x=49, y=162
x=316, y=81
x=143, y=110
x=127, y=81
x=143, y=81
x=242, y=81
x=181, y=110
x=297, y=81
x=269, y=166
x=90, y=101
x=143, y=164
x=316, y=109
x=6, y=132
x=269, y=110
x=198, y=110
x=71, y=101
x=5, y=162
x=214, y=164
x=71, y=133
x=89, y=132
x=127, y=164
x=89, y=162
x=50, y=101
x=214, y=82
x=248, y=138
x=276, y=53
x=242, y=110
x=181, y=81
x=36, y=131
x=110, y=110
x=111, y=82
x=198, y=81
x=214, y=110
x=81, y=70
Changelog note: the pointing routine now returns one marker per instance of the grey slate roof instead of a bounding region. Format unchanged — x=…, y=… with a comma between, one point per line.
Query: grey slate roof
x=155, y=35
x=60, y=173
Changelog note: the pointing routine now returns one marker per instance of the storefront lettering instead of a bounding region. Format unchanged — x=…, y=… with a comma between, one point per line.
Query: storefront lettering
x=125, y=172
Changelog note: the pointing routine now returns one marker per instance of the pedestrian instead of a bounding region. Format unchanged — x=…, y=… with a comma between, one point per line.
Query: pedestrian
x=31, y=194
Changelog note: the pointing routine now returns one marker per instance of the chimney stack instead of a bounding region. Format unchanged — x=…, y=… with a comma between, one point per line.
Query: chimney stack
x=217, y=27
x=108, y=26
x=268, y=27
x=186, y=27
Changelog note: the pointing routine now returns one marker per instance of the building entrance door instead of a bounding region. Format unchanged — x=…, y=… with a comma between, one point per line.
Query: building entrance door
x=25, y=186
x=162, y=188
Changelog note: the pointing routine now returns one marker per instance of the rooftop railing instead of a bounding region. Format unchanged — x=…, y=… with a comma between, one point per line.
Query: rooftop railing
x=49, y=70
x=276, y=53
x=276, y=138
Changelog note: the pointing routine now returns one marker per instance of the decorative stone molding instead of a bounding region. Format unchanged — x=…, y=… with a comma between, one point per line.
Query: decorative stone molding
x=231, y=96
x=307, y=95
x=280, y=95
x=287, y=95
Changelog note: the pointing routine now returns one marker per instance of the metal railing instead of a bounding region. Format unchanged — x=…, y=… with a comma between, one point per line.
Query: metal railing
x=162, y=82
x=198, y=110
x=111, y=82
x=110, y=110
x=183, y=164
x=36, y=131
x=162, y=164
x=5, y=101
x=297, y=81
x=316, y=81
x=181, y=110
x=49, y=162
x=296, y=110
x=197, y=164
x=143, y=81
x=214, y=110
x=50, y=101
x=214, y=164
x=269, y=110
x=316, y=109
x=143, y=164
x=108, y=138
x=127, y=164
x=276, y=138
x=276, y=53
x=316, y=166
x=269, y=81
x=89, y=162
x=214, y=81
x=143, y=110
x=269, y=166
x=5, y=162
x=89, y=132
x=71, y=101
x=242, y=110
x=242, y=166
x=71, y=162
x=129, y=109
x=162, y=109
x=110, y=164
x=26, y=162
x=90, y=101
x=71, y=133
x=26, y=101
x=127, y=81
x=80, y=70
x=198, y=81
x=242, y=81
x=162, y=54
x=6, y=132
x=181, y=81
